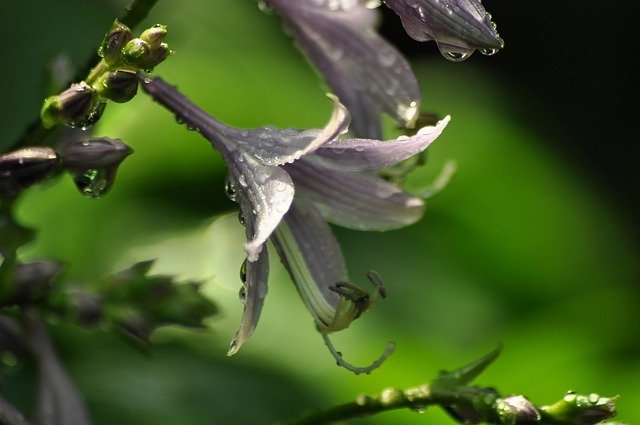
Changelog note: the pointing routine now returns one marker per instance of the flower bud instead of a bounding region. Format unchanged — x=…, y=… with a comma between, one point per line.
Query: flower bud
x=136, y=52
x=154, y=35
x=94, y=153
x=72, y=107
x=24, y=167
x=119, y=86
x=517, y=410
x=111, y=48
x=157, y=55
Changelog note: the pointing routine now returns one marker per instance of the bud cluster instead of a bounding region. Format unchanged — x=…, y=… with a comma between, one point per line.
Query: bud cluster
x=114, y=78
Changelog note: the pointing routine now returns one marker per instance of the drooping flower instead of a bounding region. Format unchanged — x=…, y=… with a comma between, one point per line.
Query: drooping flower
x=334, y=180
x=458, y=26
x=366, y=72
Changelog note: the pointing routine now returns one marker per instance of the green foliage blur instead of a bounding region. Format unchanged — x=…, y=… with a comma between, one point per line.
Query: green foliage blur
x=519, y=249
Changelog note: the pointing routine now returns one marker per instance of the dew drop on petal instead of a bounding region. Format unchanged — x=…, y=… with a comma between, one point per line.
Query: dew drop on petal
x=456, y=56
x=243, y=271
x=488, y=52
x=230, y=189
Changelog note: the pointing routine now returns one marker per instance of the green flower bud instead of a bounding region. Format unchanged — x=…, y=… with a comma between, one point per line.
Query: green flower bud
x=136, y=52
x=24, y=167
x=72, y=107
x=158, y=55
x=111, y=48
x=119, y=86
x=154, y=35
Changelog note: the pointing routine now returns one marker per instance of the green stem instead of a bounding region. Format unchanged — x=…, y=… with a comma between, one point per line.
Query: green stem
x=35, y=133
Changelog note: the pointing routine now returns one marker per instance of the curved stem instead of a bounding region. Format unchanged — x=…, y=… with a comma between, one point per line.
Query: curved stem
x=357, y=369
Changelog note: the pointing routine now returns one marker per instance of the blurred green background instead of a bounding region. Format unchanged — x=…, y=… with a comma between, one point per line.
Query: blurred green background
x=521, y=248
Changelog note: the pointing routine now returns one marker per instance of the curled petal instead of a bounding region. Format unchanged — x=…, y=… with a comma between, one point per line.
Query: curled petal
x=364, y=154
x=311, y=254
x=367, y=73
x=255, y=291
x=265, y=194
x=355, y=200
x=274, y=146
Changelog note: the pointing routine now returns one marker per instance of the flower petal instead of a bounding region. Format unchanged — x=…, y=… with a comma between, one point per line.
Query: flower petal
x=255, y=291
x=458, y=26
x=274, y=146
x=264, y=193
x=311, y=254
x=359, y=201
x=367, y=73
x=364, y=154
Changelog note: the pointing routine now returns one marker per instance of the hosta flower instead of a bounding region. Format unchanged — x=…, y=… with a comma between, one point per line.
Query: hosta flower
x=368, y=74
x=458, y=26
x=289, y=183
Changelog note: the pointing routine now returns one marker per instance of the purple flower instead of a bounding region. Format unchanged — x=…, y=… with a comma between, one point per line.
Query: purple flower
x=458, y=26
x=368, y=74
x=289, y=183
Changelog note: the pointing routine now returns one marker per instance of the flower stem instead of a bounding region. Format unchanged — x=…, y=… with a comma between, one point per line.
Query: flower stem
x=35, y=133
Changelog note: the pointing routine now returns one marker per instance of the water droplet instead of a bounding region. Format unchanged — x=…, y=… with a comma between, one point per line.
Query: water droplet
x=456, y=56
x=242, y=181
x=92, y=117
x=192, y=127
x=230, y=189
x=488, y=52
x=338, y=151
x=241, y=217
x=95, y=182
x=281, y=186
x=243, y=271
x=179, y=119
x=242, y=294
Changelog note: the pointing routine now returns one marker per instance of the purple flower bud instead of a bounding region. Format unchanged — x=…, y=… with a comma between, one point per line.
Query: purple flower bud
x=94, y=153
x=111, y=48
x=24, y=167
x=72, y=107
x=119, y=86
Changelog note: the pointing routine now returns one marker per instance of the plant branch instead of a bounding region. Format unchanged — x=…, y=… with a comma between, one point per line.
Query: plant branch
x=35, y=133
x=471, y=404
